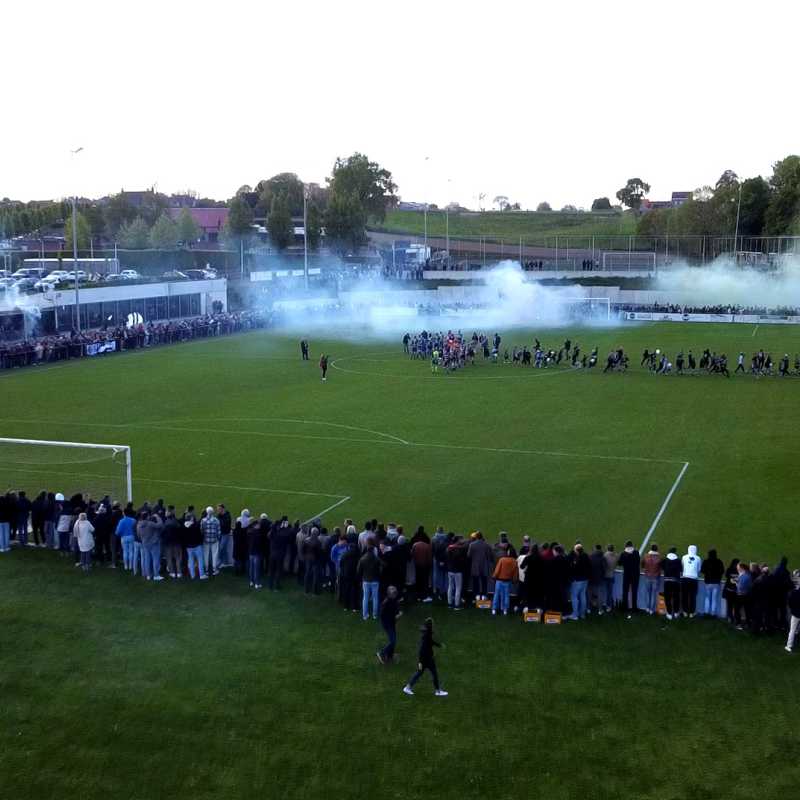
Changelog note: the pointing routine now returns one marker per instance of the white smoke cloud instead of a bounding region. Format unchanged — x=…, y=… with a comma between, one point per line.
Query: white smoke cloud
x=725, y=283
x=503, y=300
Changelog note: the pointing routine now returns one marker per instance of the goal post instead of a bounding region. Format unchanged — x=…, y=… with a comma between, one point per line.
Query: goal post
x=588, y=308
x=88, y=468
x=629, y=260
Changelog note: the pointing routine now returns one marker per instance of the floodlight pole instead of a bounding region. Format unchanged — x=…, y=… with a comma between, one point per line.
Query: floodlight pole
x=75, y=253
x=736, y=231
x=305, y=235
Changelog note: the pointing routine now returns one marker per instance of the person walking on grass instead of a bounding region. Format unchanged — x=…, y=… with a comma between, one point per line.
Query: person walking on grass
x=390, y=613
x=505, y=573
x=425, y=660
x=794, y=609
x=84, y=534
x=210, y=527
x=323, y=367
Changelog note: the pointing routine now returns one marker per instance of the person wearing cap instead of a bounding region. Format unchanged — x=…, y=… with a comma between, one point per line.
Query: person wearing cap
x=425, y=660
x=210, y=527
x=481, y=561
x=193, y=539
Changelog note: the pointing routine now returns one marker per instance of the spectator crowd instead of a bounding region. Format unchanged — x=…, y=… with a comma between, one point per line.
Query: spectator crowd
x=49, y=349
x=364, y=568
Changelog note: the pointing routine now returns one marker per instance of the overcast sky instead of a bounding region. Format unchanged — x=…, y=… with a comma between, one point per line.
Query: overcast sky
x=557, y=101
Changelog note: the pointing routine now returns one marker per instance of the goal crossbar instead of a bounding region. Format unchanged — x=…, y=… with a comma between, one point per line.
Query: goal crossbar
x=114, y=448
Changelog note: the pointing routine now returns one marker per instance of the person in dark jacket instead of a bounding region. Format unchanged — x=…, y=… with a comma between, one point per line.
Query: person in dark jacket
x=102, y=533
x=580, y=572
x=38, y=518
x=713, y=569
x=481, y=563
x=425, y=660
x=533, y=565
x=759, y=600
x=456, y=559
x=781, y=586
x=597, y=581
x=370, y=567
x=193, y=539
x=255, y=537
x=672, y=569
x=281, y=541
x=390, y=613
x=630, y=561
x=311, y=552
x=172, y=539
x=729, y=589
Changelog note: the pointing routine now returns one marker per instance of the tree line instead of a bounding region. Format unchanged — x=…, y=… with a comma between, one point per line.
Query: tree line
x=357, y=191
x=765, y=207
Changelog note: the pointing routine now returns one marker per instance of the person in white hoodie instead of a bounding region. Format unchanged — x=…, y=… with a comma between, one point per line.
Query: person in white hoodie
x=692, y=564
x=83, y=531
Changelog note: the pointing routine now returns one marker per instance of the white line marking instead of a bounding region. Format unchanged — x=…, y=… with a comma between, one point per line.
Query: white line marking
x=394, y=440
x=664, y=506
x=140, y=478
x=755, y=331
x=326, y=510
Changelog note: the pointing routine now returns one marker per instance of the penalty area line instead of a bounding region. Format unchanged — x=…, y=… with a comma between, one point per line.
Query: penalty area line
x=326, y=510
x=664, y=505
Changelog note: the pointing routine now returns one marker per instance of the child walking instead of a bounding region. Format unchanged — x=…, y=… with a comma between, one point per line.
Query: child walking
x=426, y=660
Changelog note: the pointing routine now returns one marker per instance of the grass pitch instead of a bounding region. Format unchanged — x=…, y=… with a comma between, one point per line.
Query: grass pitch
x=114, y=687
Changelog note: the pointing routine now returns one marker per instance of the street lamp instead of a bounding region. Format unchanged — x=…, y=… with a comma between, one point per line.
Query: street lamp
x=75, y=251
x=736, y=231
x=425, y=212
x=305, y=233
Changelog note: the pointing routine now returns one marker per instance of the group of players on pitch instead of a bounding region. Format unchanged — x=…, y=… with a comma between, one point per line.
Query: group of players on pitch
x=452, y=351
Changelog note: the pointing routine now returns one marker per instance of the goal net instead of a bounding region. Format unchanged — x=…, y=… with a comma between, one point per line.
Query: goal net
x=94, y=470
x=629, y=260
x=587, y=308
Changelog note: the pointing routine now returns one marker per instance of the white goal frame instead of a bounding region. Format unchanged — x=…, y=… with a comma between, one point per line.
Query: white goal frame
x=114, y=448
x=623, y=259
x=601, y=301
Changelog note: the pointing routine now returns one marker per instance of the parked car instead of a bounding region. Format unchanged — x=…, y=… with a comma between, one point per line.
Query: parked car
x=30, y=272
x=26, y=284
x=113, y=277
x=174, y=275
x=198, y=274
x=56, y=276
x=70, y=276
x=130, y=275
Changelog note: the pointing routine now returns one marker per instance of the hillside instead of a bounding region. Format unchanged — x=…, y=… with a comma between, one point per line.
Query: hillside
x=510, y=225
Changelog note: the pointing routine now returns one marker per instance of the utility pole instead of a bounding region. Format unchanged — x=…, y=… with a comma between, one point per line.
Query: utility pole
x=75, y=253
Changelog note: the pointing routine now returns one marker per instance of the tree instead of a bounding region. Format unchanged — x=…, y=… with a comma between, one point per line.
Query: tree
x=188, y=230
x=345, y=221
x=703, y=193
x=83, y=232
x=501, y=201
x=755, y=200
x=164, y=233
x=727, y=179
x=313, y=225
x=783, y=213
x=358, y=179
x=240, y=217
x=134, y=235
x=601, y=204
x=279, y=222
x=286, y=183
x=544, y=206
x=117, y=212
x=569, y=208
x=633, y=192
